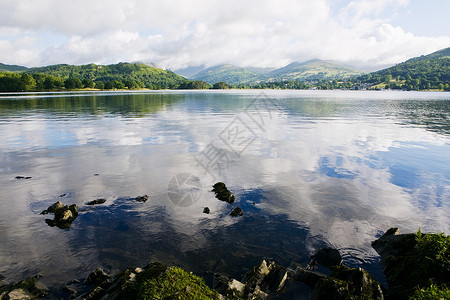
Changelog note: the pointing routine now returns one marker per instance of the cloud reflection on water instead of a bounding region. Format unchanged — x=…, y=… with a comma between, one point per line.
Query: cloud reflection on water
x=331, y=166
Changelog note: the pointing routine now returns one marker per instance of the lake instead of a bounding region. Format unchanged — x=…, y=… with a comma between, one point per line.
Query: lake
x=309, y=169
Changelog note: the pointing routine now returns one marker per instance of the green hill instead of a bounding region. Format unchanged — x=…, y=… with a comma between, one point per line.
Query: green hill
x=315, y=69
x=227, y=73
x=11, y=68
x=136, y=74
x=425, y=72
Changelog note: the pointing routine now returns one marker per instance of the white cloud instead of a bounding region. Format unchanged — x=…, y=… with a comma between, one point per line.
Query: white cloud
x=179, y=33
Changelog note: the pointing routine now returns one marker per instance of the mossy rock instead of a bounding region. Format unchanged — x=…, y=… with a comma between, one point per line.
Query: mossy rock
x=175, y=283
x=413, y=261
x=222, y=193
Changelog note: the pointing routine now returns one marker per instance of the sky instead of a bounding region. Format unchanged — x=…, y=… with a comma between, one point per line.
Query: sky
x=175, y=34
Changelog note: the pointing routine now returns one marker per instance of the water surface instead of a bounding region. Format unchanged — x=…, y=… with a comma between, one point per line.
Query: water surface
x=309, y=169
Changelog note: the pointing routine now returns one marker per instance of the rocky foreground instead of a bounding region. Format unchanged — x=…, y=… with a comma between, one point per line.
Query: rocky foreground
x=416, y=266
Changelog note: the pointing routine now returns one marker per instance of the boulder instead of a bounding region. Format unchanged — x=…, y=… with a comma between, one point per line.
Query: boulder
x=97, y=277
x=412, y=260
x=237, y=211
x=18, y=294
x=52, y=208
x=29, y=288
x=310, y=278
x=222, y=193
x=206, y=210
x=64, y=214
x=265, y=277
x=347, y=283
x=327, y=257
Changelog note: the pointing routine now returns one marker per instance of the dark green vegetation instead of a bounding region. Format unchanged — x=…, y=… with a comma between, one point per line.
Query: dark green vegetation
x=420, y=73
x=11, y=68
x=118, y=76
x=175, y=283
x=415, y=264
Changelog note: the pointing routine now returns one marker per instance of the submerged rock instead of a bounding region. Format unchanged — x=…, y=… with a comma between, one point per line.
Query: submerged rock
x=64, y=214
x=327, y=257
x=97, y=277
x=206, y=210
x=96, y=201
x=222, y=193
x=141, y=198
x=237, y=211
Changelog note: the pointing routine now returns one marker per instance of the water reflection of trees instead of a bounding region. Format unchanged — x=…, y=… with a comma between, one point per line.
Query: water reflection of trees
x=122, y=104
x=432, y=115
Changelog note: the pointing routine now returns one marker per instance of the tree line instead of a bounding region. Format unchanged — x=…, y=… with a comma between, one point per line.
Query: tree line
x=35, y=82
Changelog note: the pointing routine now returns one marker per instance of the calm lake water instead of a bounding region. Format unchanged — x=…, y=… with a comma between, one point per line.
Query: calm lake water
x=309, y=169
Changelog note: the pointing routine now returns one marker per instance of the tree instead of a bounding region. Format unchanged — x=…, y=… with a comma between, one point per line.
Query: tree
x=88, y=83
x=73, y=83
x=28, y=82
x=221, y=85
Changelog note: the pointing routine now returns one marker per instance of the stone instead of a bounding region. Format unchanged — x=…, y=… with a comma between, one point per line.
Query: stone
x=18, y=294
x=347, y=283
x=141, y=198
x=327, y=257
x=96, y=201
x=64, y=215
x=406, y=267
x=222, y=193
x=266, y=276
x=206, y=210
x=237, y=211
x=52, y=208
x=310, y=278
x=97, y=277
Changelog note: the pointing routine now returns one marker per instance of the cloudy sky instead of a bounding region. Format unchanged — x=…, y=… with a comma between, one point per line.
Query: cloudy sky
x=175, y=34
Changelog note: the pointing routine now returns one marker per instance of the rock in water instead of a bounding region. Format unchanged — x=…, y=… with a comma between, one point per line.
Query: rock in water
x=264, y=278
x=141, y=198
x=64, y=215
x=52, y=208
x=327, y=257
x=206, y=210
x=347, y=283
x=97, y=277
x=413, y=260
x=96, y=201
x=29, y=288
x=237, y=211
x=222, y=193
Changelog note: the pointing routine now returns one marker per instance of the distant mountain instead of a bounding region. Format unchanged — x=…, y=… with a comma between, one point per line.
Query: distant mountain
x=312, y=70
x=260, y=70
x=430, y=71
x=227, y=73
x=11, y=68
x=190, y=71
